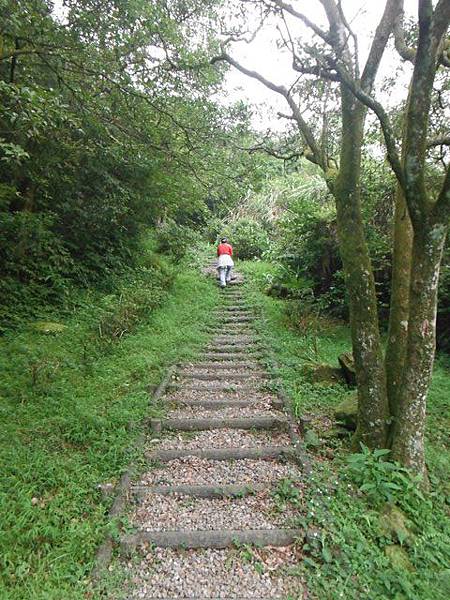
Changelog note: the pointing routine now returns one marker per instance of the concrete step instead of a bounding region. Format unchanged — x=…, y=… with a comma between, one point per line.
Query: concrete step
x=201, y=491
x=228, y=328
x=202, y=424
x=226, y=538
x=226, y=348
x=237, y=319
x=261, y=452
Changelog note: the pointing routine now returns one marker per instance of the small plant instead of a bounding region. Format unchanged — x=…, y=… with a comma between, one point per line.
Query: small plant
x=287, y=492
x=382, y=480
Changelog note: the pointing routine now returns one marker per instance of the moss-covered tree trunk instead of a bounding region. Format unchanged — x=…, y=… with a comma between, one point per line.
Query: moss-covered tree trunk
x=369, y=361
x=408, y=444
x=399, y=305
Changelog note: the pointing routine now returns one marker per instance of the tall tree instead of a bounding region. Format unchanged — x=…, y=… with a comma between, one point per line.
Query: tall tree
x=334, y=57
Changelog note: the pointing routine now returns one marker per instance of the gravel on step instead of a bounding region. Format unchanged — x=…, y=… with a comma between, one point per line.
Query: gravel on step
x=221, y=438
x=223, y=378
x=223, y=371
x=178, y=512
x=198, y=394
x=199, y=471
x=221, y=384
x=214, y=574
x=255, y=410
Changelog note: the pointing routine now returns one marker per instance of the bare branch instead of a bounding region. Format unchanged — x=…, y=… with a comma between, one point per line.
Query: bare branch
x=284, y=116
x=441, y=140
x=305, y=130
x=272, y=152
x=378, y=109
x=297, y=64
x=353, y=36
x=409, y=54
x=292, y=11
x=382, y=33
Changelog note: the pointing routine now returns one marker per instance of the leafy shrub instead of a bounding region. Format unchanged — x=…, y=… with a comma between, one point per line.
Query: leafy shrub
x=249, y=239
x=144, y=292
x=214, y=229
x=381, y=480
x=35, y=267
x=307, y=247
x=174, y=239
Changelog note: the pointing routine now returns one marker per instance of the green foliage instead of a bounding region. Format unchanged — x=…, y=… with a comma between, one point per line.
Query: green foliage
x=70, y=412
x=344, y=554
x=175, y=240
x=305, y=243
x=382, y=480
x=213, y=230
x=145, y=291
x=98, y=142
x=249, y=239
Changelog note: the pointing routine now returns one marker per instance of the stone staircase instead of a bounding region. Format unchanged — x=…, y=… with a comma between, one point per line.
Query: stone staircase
x=206, y=519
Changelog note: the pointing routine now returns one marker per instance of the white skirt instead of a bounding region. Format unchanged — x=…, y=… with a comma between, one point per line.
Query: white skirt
x=225, y=260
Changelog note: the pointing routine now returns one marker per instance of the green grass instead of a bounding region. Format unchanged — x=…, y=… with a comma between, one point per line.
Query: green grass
x=68, y=403
x=346, y=558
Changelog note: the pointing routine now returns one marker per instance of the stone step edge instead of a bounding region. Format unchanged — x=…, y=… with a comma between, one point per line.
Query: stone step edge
x=203, y=424
x=210, y=539
x=140, y=492
x=258, y=453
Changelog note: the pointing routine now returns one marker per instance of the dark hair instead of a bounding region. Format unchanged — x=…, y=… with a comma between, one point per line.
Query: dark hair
x=224, y=240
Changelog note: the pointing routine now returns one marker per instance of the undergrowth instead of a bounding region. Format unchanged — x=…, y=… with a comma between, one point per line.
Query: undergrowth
x=72, y=395
x=349, y=551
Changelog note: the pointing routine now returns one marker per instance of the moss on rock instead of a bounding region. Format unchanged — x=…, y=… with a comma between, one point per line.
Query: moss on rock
x=346, y=412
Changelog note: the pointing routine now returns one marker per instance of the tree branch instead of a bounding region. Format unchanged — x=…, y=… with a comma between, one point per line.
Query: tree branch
x=305, y=130
x=295, y=13
x=409, y=54
x=382, y=33
x=378, y=109
x=440, y=140
x=271, y=152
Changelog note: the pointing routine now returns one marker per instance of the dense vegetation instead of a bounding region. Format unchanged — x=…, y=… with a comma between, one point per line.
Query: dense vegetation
x=101, y=138
x=348, y=557
x=118, y=160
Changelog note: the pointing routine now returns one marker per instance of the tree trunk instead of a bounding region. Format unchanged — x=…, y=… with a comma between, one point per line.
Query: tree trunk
x=399, y=305
x=408, y=442
x=369, y=363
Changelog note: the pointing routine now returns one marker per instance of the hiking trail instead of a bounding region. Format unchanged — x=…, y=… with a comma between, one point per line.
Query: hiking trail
x=210, y=514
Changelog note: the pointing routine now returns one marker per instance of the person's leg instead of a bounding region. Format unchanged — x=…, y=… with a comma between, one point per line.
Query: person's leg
x=222, y=273
x=228, y=276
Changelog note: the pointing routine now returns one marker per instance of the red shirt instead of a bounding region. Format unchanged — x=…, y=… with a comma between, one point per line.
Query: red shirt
x=224, y=249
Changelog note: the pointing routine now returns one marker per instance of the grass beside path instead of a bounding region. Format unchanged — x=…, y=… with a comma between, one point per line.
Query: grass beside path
x=67, y=401
x=349, y=553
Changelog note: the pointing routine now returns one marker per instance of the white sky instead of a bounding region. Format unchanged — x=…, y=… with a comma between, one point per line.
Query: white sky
x=263, y=56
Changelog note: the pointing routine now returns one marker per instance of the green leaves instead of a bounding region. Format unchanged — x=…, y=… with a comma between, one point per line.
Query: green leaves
x=382, y=480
